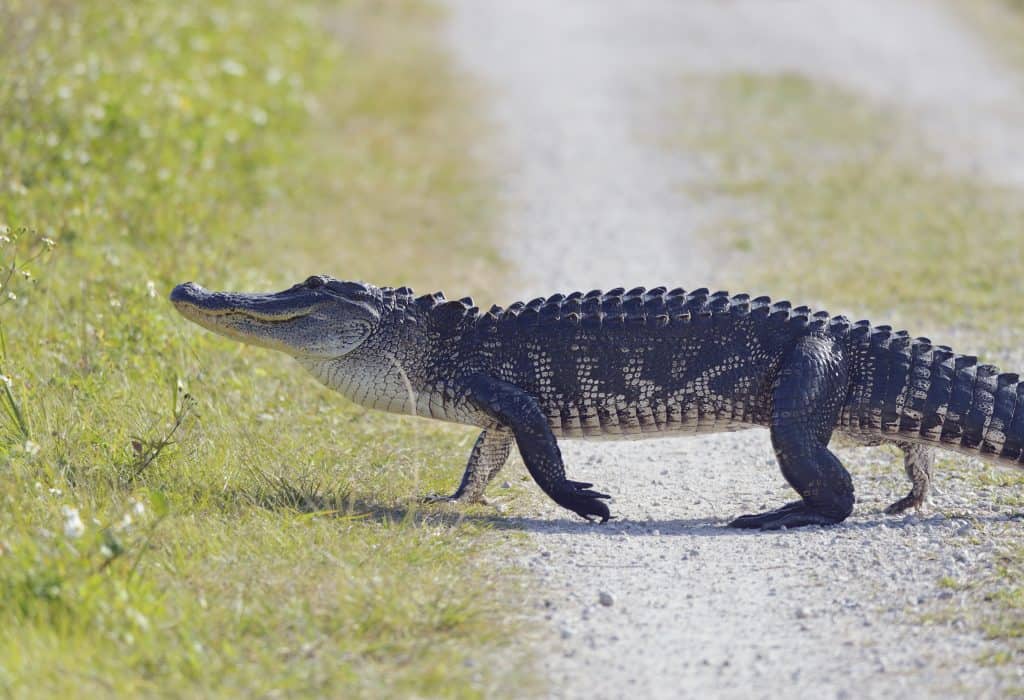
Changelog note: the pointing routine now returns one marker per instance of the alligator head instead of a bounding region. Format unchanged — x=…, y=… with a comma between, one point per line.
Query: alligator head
x=320, y=318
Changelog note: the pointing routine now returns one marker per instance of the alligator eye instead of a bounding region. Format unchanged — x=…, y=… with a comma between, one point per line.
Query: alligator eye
x=314, y=282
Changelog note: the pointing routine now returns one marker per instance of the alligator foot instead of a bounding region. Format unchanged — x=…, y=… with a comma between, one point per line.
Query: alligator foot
x=582, y=500
x=907, y=502
x=455, y=498
x=795, y=514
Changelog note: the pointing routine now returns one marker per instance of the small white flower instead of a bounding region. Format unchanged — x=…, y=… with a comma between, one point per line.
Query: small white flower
x=73, y=525
x=56, y=492
x=49, y=242
x=126, y=522
x=138, y=618
x=232, y=67
x=106, y=552
x=139, y=508
x=6, y=380
x=115, y=303
x=151, y=289
x=12, y=296
x=32, y=448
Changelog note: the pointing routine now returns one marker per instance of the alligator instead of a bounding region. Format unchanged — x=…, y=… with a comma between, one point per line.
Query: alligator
x=637, y=363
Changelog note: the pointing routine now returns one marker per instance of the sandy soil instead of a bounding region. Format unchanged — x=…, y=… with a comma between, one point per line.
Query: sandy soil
x=666, y=602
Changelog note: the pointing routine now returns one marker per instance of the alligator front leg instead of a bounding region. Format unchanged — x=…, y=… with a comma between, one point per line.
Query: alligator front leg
x=806, y=400
x=485, y=461
x=518, y=412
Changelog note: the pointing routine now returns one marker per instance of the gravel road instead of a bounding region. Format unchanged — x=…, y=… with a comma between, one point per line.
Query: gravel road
x=666, y=602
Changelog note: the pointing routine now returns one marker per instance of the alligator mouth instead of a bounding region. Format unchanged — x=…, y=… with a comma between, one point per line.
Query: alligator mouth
x=196, y=303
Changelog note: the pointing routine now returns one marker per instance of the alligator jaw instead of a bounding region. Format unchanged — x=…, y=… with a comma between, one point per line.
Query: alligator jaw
x=256, y=319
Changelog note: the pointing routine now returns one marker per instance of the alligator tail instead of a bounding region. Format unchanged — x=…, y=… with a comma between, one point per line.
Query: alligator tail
x=907, y=389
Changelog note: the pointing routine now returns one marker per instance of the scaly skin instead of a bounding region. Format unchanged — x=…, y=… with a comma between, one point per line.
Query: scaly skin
x=636, y=364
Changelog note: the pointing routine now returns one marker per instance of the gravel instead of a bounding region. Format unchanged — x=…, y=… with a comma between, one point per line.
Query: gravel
x=577, y=91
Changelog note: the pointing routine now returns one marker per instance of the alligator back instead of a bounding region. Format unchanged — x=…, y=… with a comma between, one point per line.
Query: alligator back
x=642, y=362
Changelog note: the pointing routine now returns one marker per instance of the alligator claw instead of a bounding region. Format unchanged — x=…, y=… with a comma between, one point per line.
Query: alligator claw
x=585, y=503
x=795, y=514
x=454, y=498
x=438, y=498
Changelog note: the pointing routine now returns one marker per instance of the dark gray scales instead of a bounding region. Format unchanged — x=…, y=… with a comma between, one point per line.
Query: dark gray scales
x=648, y=362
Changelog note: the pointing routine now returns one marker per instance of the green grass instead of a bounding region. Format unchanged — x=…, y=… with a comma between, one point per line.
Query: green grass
x=273, y=544
x=834, y=200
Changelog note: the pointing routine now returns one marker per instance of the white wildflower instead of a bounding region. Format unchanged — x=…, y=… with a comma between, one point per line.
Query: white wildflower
x=115, y=303
x=73, y=525
x=126, y=522
x=6, y=380
x=5, y=239
x=12, y=296
x=31, y=448
x=139, y=508
x=49, y=243
x=151, y=289
x=56, y=492
x=138, y=618
x=106, y=551
x=232, y=67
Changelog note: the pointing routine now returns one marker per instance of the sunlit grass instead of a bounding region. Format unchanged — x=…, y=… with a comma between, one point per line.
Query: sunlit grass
x=276, y=545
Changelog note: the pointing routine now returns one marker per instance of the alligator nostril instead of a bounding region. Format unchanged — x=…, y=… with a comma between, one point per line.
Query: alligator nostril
x=315, y=281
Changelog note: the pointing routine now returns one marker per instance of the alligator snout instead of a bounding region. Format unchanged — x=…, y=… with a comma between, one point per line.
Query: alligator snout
x=186, y=292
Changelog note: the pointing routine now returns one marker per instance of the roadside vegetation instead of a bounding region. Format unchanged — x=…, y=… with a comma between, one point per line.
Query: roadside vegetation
x=184, y=515
x=831, y=200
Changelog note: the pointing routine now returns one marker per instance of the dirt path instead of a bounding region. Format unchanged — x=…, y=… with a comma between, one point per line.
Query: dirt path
x=699, y=610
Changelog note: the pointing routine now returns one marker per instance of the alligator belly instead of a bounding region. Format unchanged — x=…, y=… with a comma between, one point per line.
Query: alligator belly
x=627, y=422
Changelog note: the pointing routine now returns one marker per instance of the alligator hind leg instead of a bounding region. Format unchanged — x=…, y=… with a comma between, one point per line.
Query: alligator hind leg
x=807, y=399
x=918, y=461
x=485, y=461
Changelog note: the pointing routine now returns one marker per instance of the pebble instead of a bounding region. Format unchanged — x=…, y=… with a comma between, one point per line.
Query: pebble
x=606, y=599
